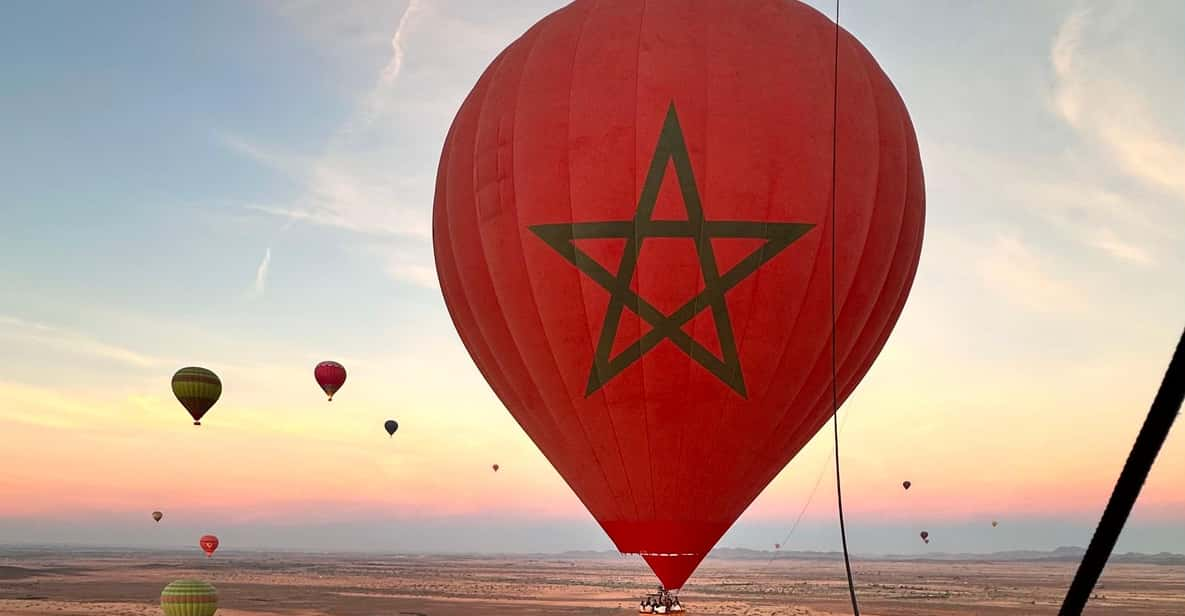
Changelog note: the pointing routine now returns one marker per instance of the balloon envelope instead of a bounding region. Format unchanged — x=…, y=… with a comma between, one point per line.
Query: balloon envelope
x=495, y=467
x=925, y=535
x=209, y=543
x=197, y=389
x=156, y=515
x=633, y=233
x=906, y=484
x=995, y=523
x=391, y=426
x=330, y=376
x=189, y=598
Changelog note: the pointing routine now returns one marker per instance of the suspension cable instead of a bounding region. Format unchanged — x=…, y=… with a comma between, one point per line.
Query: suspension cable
x=843, y=534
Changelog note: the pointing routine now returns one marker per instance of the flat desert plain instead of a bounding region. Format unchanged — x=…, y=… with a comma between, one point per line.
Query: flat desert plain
x=42, y=582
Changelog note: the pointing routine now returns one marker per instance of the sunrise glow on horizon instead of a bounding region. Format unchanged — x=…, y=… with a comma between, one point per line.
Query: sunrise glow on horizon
x=256, y=219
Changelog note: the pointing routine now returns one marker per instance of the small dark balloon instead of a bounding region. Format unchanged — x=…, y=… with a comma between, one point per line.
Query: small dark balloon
x=391, y=425
x=906, y=484
x=156, y=515
x=495, y=467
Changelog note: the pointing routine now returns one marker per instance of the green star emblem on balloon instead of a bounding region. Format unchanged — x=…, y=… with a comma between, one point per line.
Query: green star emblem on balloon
x=671, y=149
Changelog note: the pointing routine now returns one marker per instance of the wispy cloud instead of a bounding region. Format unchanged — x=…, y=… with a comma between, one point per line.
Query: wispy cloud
x=23, y=324
x=293, y=166
x=262, y=271
x=1098, y=93
x=1015, y=272
x=49, y=336
x=372, y=176
x=356, y=184
x=412, y=267
x=1122, y=249
x=380, y=95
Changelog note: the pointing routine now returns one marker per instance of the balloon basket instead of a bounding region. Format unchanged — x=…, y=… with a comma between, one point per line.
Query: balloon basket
x=662, y=602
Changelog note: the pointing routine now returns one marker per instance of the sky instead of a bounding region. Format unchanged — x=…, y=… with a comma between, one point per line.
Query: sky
x=248, y=187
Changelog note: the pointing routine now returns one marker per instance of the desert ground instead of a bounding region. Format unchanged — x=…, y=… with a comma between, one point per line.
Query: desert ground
x=42, y=582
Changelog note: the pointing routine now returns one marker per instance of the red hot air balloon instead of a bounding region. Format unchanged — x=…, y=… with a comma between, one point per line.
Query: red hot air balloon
x=330, y=376
x=495, y=467
x=209, y=543
x=634, y=235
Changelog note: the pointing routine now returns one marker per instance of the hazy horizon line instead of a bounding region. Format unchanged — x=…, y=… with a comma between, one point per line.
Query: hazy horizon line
x=608, y=554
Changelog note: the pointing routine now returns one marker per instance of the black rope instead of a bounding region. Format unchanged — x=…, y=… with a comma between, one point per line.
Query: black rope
x=1161, y=415
x=843, y=533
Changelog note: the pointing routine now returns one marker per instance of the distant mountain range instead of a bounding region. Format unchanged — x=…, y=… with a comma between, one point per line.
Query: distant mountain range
x=1062, y=554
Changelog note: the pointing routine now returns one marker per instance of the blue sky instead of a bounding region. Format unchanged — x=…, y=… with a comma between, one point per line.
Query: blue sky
x=250, y=186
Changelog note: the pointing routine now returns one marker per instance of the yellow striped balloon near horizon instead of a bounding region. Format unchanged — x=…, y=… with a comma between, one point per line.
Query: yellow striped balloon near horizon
x=189, y=598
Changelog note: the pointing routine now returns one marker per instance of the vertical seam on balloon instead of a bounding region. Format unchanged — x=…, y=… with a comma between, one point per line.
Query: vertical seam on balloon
x=637, y=245
x=449, y=278
x=907, y=278
x=607, y=405
x=816, y=406
x=896, y=242
x=491, y=356
x=876, y=202
x=819, y=250
x=699, y=511
x=812, y=410
x=581, y=282
x=700, y=246
x=881, y=336
x=555, y=361
x=638, y=249
x=729, y=401
x=527, y=372
x=464, y=298
x=810, y=413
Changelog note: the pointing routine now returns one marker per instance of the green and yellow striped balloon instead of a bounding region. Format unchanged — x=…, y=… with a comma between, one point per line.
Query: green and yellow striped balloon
x=189, y=598
x=197, y=389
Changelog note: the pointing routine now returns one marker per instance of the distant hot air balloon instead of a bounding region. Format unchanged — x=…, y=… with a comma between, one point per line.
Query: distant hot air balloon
x=635, y=236
x=156, y=515
x=189, y=598
x=995, y=523
x=777, y=546
x=925, y=536
x=391, y=426
x=330, y=376
x=906, y=484
x=197, y=389
x=209, y=543
x=495, y=467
